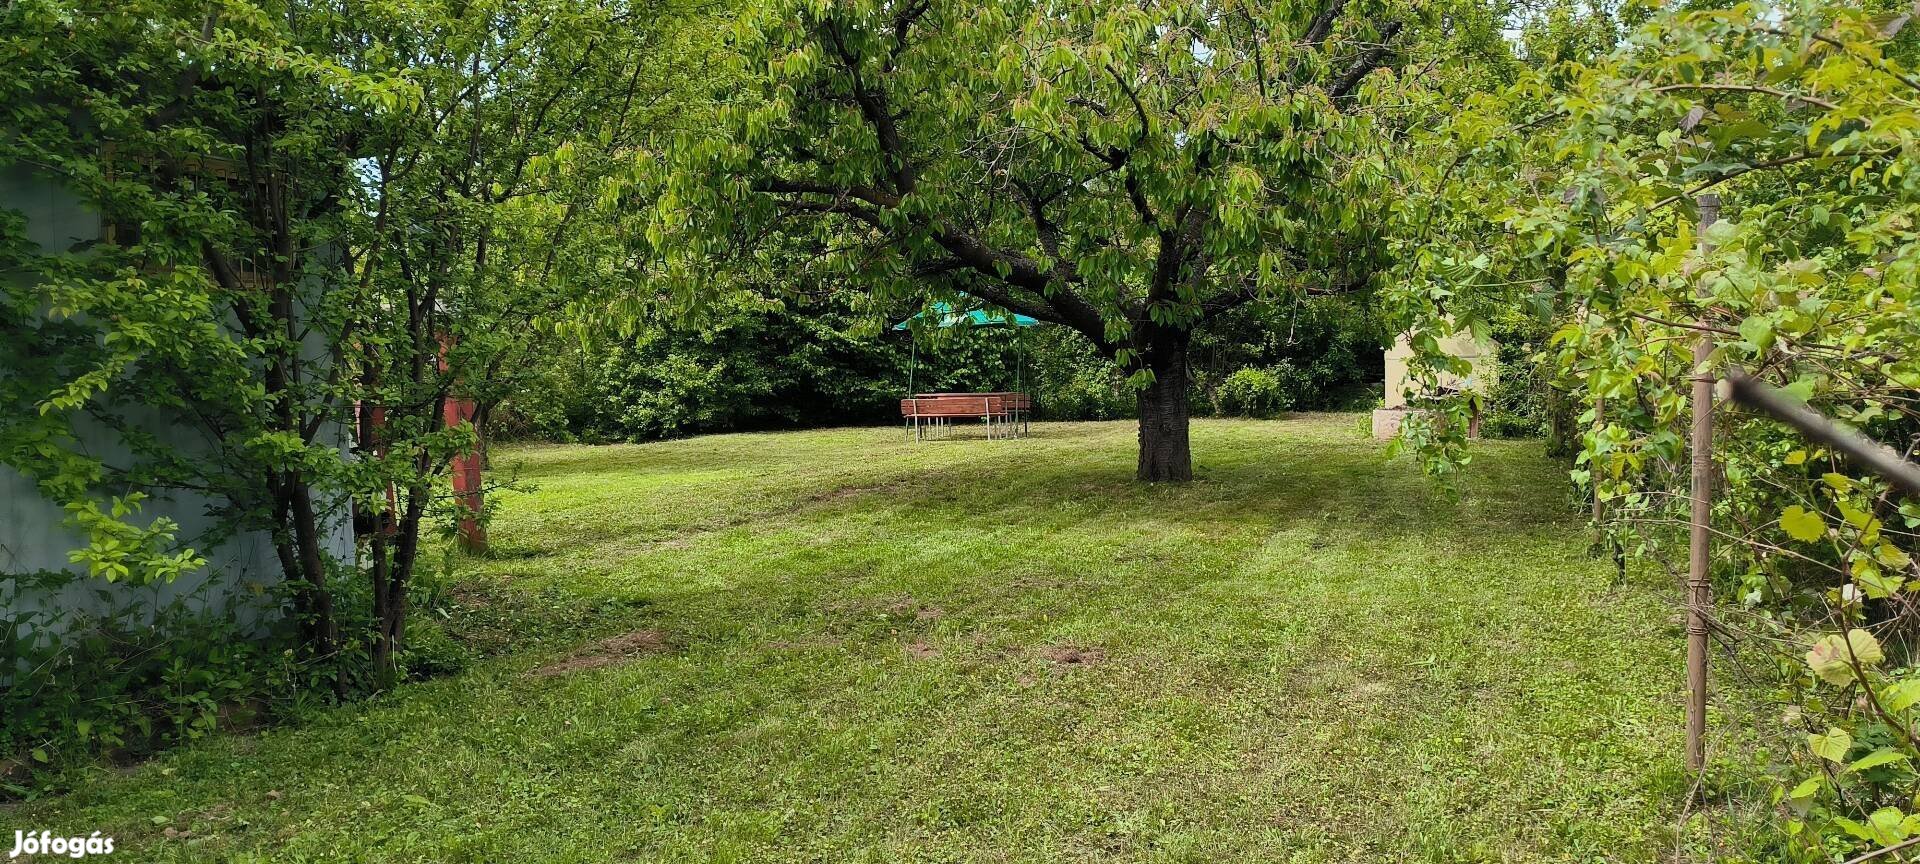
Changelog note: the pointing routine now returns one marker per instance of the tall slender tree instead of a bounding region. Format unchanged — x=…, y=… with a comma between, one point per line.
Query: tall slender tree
x=310, y=207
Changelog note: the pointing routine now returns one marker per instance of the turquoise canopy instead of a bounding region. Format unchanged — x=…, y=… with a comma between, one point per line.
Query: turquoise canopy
x=972, y=318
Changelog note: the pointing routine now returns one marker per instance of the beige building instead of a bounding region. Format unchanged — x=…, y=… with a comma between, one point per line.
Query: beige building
x=1480, y=354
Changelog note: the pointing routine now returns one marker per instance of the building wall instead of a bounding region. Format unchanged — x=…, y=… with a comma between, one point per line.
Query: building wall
x=240, y=569
x=1480, y=354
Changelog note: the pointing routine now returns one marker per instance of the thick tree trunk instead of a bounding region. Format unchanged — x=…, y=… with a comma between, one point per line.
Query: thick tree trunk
x=1164, y=454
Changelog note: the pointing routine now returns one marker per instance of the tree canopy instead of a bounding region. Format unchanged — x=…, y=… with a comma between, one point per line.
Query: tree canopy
x=1584, y=192
x=319, y=223
x=1129, y=170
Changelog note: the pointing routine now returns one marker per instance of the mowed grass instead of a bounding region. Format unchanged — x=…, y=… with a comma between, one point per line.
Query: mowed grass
x=842, y=646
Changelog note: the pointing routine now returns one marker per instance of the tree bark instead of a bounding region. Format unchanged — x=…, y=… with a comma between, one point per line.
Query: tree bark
x=313, y=568
x=391, y=625
x=1164, y=453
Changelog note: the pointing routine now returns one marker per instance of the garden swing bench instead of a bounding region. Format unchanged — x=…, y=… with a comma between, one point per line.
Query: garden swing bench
x=1004, y=414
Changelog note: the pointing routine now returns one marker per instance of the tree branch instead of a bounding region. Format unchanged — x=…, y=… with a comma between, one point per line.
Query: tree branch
x=1369, y=60
x=1746, y=88
x=1322, y=24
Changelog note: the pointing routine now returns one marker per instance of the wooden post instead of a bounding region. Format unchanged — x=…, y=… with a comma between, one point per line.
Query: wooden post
x=466, y=470
x=1699, y=588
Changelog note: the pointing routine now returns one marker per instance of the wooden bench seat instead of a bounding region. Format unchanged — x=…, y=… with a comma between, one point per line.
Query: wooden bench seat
x=1004, y=414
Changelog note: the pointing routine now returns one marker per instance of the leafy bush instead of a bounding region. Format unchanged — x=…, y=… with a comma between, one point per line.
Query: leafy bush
x=1326, y=354
x=1261, y=392
x=148, y=671
x=825, y=360
x=1805, y=281
x=1070, y=382
x=124, y=683
x=680, y=393
x=1521, y=402
x=1251, y=393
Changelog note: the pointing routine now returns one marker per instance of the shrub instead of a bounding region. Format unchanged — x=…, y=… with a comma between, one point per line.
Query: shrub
x=124, y=683
x=1265, y=392
x=148, y=670
x=1088, y=394
x=1519, y=402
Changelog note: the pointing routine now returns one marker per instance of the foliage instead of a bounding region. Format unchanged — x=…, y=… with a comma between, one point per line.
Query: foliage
x=1326, y=352
x=757, y=366
x=1525, y=400
x=1255, y=392
x=1129, y=170
x=1070, y=380
x=824, y=360
x=109, y=102
x=307, y=210
x=143, y=673
x=1799, y=119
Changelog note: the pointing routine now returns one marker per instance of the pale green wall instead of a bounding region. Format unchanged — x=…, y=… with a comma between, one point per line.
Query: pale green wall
x=31, y=535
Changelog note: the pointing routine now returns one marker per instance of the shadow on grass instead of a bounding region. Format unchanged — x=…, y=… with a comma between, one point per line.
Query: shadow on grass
x=1308, y=640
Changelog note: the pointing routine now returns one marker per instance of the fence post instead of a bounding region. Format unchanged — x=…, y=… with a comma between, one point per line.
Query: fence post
x=1699, y=588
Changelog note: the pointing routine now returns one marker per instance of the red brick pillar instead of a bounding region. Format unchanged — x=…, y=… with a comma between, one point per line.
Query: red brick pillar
x=455, y=410
x=466, y=477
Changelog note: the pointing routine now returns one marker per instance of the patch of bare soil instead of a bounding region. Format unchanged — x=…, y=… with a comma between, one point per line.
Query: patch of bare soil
x=911, y=608
x=921, y=650
x=1073, y=655
x=612, y=651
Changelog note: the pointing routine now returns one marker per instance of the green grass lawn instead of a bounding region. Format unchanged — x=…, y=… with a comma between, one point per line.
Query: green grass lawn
x=841, y=646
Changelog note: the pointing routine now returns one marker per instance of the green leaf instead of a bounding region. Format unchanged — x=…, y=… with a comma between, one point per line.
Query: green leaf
x=1855, y=516
x=1832, y=657
x=1852, y=827
x=1901, y=696
x=1882, y=756
x=1802, y=524
x=1758, y=331
x=1832, y=746
x=1875, y=584
x=1886, y=825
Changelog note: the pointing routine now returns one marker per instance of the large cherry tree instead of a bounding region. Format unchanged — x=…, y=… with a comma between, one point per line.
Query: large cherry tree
x=1130, y=170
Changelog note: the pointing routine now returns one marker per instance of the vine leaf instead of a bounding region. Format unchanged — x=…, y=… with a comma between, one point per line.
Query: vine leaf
x=1802, y=524
x=1832, y=746
x=1832, y=657
x=1882, y=756
x=1901, y=696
